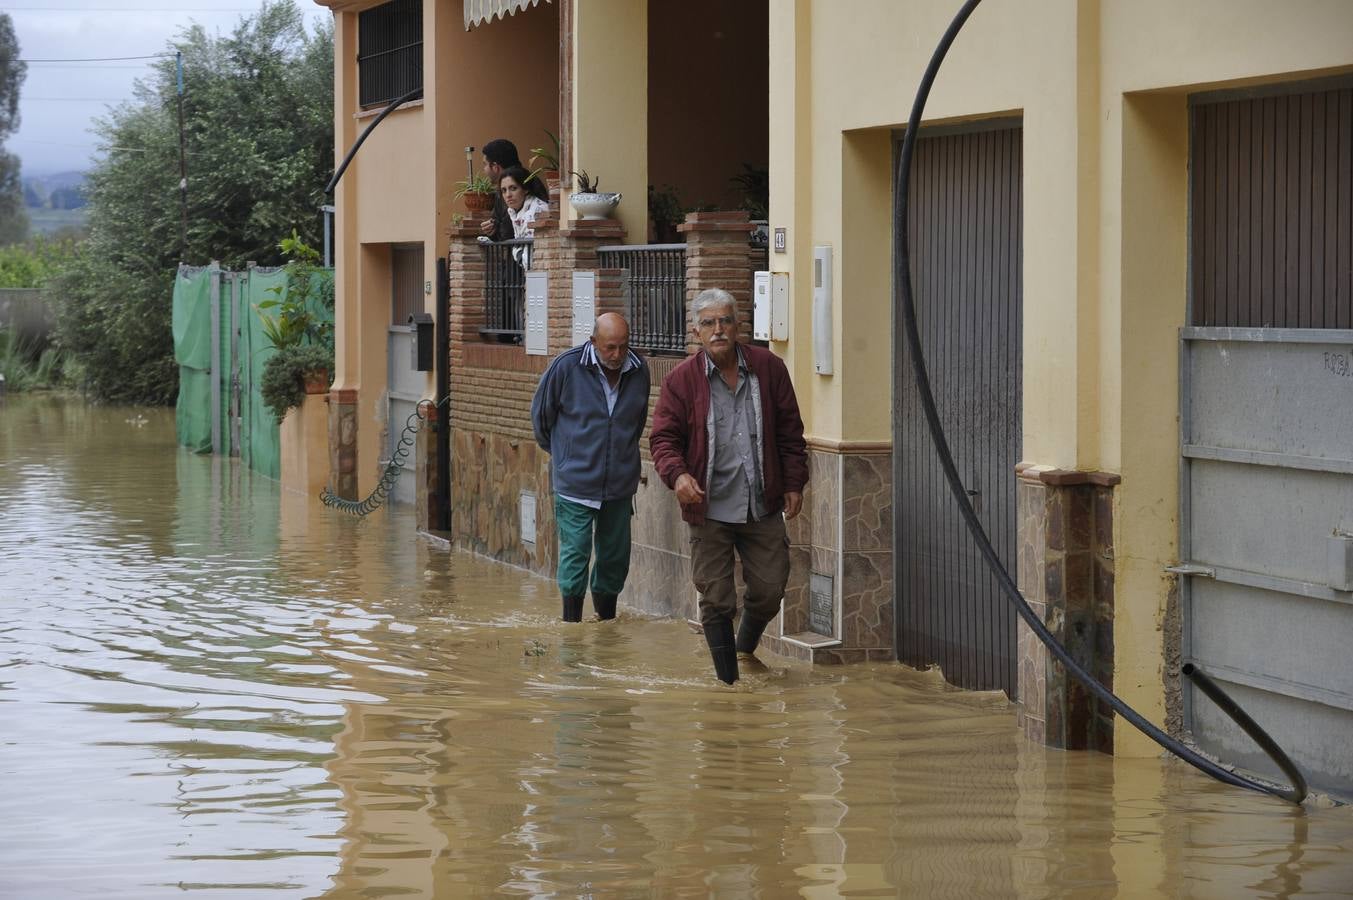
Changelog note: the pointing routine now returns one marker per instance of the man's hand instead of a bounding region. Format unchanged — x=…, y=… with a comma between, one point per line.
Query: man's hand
x=486, y=226
x=688, y=489
x=793, y=504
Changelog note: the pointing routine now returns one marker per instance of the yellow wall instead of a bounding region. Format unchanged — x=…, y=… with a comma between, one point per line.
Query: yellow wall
x=499, y=80
x=610, y=104
x=1101, y=88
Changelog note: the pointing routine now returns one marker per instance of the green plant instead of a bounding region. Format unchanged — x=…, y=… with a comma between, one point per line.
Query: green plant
x=475, y=184
x=297, y=320
x=755, y=184
x=284, y=375
x=586, y=183
x=26, y=366
x=664, y=209
x=546, y=158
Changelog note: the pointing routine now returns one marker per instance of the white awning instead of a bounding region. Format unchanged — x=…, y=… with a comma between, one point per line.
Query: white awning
x=477, y=12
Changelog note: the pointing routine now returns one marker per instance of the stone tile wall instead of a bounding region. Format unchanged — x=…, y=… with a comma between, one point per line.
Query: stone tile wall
x=343, y=443
x=1066, y=564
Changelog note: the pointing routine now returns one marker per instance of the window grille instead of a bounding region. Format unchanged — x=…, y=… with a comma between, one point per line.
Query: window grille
x=389, y=51
x=406, y=293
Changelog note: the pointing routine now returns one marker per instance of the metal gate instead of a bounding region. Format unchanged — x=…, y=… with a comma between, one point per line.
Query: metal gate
x=965, y=227
x=406, y=385
x=1266, y=427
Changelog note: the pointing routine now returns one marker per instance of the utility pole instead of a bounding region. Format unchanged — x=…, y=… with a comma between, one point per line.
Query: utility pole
x=183, y=167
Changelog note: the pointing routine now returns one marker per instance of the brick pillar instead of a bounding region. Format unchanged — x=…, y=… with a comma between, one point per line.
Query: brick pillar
x=343, y=443
x=562, y=250
x=718, y=256
x=1066, y=573
x=465, y=288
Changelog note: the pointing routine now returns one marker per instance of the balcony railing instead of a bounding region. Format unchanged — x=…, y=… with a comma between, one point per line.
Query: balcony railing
x=505, y=290
x=656, y=301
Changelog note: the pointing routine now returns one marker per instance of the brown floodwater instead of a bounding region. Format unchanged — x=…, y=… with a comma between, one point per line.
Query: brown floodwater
x=208, y=687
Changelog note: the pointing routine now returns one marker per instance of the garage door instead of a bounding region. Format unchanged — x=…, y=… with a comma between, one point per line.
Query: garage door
x=1267, y=426
x=965, y=221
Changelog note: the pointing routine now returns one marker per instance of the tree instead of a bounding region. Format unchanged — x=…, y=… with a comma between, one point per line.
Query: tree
x=13, y=70
x=258, y=119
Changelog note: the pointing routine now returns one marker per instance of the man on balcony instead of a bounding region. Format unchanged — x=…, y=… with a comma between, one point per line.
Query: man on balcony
x=728, y=439
x=500, y=154
x=588, y=413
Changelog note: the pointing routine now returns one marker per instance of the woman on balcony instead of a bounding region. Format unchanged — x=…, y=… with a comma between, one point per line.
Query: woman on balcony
x=526, y=198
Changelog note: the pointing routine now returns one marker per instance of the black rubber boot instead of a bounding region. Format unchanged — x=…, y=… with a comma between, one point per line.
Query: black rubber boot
x=719, y=636
x=604, y=604
x=749, y=633
x=573, y=609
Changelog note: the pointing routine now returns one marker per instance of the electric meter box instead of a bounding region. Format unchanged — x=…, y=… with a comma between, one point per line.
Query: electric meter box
x=770, y=306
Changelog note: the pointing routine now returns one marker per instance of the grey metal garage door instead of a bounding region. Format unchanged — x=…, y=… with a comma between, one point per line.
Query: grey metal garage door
x=965, y=227
x=1267, y=427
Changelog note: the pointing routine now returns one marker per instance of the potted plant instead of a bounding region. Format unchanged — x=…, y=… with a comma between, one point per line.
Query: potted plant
x=589, y=200
x=755, y=184
x=301, y=338
x=666, y=213
x=544, y=161
x=478, y=192
x=293, y=372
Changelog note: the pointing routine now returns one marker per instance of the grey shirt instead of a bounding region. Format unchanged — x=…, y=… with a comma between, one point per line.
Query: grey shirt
x=734, y=491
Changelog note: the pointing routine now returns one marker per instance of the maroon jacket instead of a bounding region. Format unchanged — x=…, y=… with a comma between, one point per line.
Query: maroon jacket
x=680, y=439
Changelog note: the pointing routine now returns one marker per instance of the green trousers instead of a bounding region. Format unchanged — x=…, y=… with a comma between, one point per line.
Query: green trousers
x=581, y=531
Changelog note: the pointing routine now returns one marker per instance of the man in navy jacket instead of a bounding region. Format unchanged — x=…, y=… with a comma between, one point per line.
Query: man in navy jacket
x=588, y=413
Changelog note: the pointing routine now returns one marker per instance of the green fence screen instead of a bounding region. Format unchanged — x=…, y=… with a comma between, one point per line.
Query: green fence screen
x=247, y=428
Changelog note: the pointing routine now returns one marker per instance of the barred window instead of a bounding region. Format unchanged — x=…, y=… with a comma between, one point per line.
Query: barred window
x=389, y=51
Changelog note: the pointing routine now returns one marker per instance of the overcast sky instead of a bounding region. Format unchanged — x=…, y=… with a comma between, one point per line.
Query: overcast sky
x=60, y=99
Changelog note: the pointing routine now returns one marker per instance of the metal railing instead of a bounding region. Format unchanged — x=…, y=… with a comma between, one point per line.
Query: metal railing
x=505, y=289
x=655, y=302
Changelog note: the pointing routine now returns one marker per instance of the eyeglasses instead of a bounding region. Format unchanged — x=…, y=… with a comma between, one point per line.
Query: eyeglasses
x=725, y=321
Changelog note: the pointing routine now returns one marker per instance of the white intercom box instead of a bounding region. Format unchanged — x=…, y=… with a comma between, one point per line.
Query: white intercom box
x=822, y=309
x=770, y=306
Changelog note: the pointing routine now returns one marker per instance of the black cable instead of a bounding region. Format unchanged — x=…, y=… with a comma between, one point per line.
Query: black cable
x=398, y=458
x=1007, y=584
x=343, y=166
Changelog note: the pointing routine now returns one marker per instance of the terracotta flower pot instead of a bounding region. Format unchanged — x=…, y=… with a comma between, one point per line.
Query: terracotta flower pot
x=478, y=203
x=317, y=382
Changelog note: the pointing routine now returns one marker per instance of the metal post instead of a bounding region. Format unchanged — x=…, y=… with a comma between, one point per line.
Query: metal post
x=183, y=167
x=328, y=211
x=214, y=273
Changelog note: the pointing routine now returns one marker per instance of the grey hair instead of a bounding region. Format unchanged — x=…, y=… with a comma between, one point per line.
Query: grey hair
x=710, y=298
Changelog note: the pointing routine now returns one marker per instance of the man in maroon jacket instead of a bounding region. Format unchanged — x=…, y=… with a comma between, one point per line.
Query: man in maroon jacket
x=728, y=439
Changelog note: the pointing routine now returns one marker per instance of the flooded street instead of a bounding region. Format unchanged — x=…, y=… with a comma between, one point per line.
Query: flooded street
x=211, y=688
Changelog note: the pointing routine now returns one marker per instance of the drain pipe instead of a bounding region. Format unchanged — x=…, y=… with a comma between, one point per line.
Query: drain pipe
x=1297, y=792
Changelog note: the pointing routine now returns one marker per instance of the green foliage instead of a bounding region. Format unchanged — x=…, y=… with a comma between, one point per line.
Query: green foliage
x=586, y=183
x=13, y=70
x=26, y=366
x=755, y=184
x=297, y=321
x=666, y=212
x=546, y=158
x=258, y=121
x=284, y=374
x=30, y=265
x=476, y=184
x=303, y=339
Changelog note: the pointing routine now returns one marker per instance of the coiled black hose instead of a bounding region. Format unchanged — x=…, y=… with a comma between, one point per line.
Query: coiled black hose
x=390, y=476
x=903, y=285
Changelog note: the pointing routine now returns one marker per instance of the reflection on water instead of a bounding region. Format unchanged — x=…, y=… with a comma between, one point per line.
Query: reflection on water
x=209, y=686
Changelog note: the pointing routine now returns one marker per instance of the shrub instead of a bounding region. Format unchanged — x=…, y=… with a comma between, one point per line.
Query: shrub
x=285, y=373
